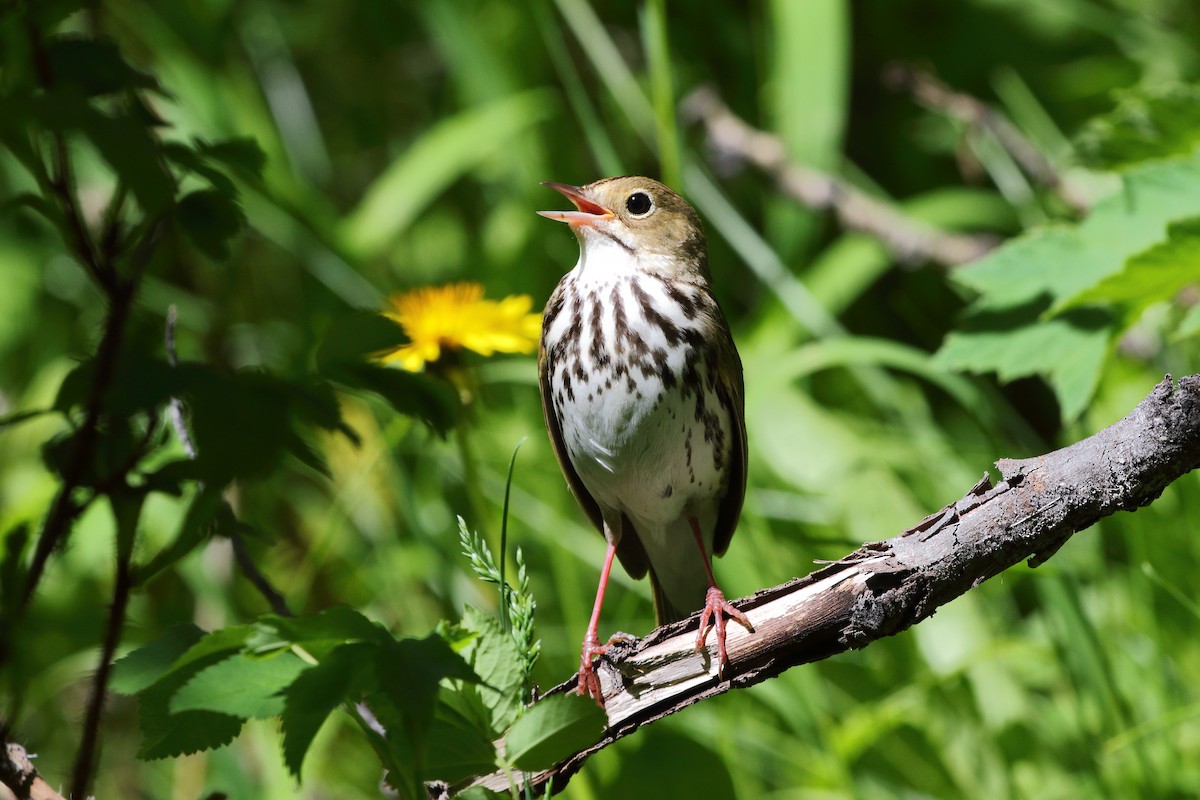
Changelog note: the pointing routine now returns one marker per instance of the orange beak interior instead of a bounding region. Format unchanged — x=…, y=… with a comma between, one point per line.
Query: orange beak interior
x=587, y=213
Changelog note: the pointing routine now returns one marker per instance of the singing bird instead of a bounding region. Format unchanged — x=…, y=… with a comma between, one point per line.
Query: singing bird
x=642, y=391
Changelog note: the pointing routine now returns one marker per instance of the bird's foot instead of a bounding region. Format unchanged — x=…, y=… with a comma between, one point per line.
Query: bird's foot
x=589, y=681
x=715, y=609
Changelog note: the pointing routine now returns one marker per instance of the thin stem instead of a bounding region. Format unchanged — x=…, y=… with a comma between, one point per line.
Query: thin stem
x=65, y=509
x=85, y=759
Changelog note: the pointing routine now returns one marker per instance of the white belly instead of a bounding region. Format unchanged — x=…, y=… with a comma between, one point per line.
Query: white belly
x=629, y=415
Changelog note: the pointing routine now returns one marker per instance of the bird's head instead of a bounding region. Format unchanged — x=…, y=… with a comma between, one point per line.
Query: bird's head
x=645, y=219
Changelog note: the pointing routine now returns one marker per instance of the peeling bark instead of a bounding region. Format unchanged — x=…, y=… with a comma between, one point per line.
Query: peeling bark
x=885, y=587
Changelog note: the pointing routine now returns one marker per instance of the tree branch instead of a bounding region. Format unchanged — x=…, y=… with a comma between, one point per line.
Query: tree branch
x=20, y=776
x=909, y=240
x=885, y=587
x=936, y=96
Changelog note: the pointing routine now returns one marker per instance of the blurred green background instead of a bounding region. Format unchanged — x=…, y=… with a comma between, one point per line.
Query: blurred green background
x=405, y=142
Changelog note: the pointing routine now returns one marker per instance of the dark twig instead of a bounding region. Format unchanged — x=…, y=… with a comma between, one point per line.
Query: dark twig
x=85, y=758
x=976, y=114
x=65, y=509
x=909, y=240
x=256, y=577
x=885, y=587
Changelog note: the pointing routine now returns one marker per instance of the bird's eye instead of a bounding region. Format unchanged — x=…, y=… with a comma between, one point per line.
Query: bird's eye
x=639, y=204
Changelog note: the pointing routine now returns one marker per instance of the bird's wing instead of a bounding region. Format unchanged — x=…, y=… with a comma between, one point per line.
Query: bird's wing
x=731, y=392
x=629, y=547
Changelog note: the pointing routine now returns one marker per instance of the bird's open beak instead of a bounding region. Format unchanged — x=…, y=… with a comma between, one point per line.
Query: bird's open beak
x=588, y=213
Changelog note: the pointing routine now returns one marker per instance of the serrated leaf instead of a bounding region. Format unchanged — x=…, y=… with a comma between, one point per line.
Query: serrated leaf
x=244, y=423
x=141, y=668
x=456, y=749
x=95, y=66
x=1008, y=329
x=429, y=400
x=165, y=734
x=500, y=666
x=241, y=154
x=322, y=631
x=314, y=695
x=408, y=674
x=1154, y=275
x=1149, y=122
x=122, y=139
x=197, y=527
x=357, y=336
x=209, y=218
x=343, y=356
x=241, y=685
x=552, y=729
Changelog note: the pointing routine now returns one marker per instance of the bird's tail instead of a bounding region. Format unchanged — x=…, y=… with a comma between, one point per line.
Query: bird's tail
x=664, y=610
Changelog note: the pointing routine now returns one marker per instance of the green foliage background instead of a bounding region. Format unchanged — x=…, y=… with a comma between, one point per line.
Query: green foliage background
x=404, y=143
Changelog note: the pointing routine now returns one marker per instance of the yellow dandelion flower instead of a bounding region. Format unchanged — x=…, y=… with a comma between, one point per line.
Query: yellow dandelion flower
x=456, y=316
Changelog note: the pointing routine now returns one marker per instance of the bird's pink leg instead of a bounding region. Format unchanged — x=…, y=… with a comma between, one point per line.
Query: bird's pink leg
x=715, y=606
x=589, y=681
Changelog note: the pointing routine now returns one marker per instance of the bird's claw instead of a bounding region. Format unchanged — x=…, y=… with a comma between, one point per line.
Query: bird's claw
x=715, y=609
x=589, y=680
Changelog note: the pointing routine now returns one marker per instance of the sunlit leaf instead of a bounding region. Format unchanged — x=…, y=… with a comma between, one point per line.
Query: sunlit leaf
x=321, y=631
x=456, y=749
x=1010, y=328
x=494, y=656
x=552, y=729
x=241, y=685
x=1154, y=275
x=1148, y=123
x=314, y=695
x=145, y=665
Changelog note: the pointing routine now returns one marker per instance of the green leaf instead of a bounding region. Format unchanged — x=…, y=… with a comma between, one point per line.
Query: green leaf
x=409, y=671
x=95, y=66
x=1010, y=328
x=357, y=336
x=1190, y=324
x=552, y=729
x=209, y=218
x=313, y=696
x=17, y=417
x=197, y=527
x=500, y=666
x=343, y=356
x=141, y=668
x=432, y=401
x=156, y=672
x=242, y=686
x=1150, y=122
x=244, y=423
x=456, y=749
x=122, y=138
x=1154, y=275
x=317, y=633
x=425, y=168
x=240, y=154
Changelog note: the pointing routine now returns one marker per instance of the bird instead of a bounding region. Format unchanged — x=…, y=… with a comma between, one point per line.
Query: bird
x=643, y=397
